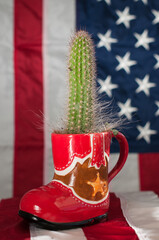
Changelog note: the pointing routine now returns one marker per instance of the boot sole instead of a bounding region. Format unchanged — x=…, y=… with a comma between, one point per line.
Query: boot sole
x=39, y=222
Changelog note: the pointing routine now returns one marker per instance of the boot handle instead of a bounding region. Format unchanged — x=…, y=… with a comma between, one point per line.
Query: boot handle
x=124, y=149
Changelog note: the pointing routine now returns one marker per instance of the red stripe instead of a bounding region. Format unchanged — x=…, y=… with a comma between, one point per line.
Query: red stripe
x=28, y=155
x=149, y=168
x=11, y=225
x=115, y=228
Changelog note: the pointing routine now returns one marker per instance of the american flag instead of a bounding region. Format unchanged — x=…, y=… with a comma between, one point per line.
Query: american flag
x=127, y=41
x=126, y=36
x=34, y=36
x=34, y=40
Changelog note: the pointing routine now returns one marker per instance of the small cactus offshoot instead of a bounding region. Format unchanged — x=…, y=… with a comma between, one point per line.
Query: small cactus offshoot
x=81, y=68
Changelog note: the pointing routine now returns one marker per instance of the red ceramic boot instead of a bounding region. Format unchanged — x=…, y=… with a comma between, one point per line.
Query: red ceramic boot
x=78, y=195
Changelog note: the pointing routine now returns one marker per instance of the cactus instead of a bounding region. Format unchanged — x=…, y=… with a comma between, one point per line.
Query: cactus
x=81, y=69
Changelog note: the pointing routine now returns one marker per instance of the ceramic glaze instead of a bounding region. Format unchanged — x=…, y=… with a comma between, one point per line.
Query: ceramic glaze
x=79, y=190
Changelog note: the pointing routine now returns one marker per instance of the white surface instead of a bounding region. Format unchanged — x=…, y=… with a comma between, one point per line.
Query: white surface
x=141, y=210
x=59, y=24
x=127, y=179
x=6, y=98
x=42, y=234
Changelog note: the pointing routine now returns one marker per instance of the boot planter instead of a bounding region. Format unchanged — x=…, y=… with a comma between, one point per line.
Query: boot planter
x=78, y=195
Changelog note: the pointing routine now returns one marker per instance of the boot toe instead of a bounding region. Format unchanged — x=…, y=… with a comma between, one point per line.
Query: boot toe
x=38, y=203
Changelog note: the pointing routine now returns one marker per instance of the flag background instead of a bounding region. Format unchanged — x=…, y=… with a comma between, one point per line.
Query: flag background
x=34, y=40
x=34, y=36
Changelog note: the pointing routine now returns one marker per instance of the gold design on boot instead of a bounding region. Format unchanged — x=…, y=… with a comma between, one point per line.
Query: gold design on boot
x=98, y=186
x=83, y=176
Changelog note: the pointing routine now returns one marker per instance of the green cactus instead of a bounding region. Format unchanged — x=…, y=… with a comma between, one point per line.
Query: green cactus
x=81, y=68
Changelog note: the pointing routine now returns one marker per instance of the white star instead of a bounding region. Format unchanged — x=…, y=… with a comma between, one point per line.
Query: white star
x=156, y=14
x=126, y=109
x=107, y=1
x=144, y=1
x=157, y=112
x=143, y=40
x=124, y=17
x=125, y=62
x=145, y=132
x=106, y=40
x=107, y=86
x=157, y=59
x=144, y=85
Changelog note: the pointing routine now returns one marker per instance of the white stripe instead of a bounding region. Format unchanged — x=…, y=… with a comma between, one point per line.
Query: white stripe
x=59, y=23
x=42, y=234
x=141, y=210
x=6, y=98
x=128, y=179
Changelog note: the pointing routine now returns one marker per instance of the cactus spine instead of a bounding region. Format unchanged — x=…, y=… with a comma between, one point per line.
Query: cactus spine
x=81, y=68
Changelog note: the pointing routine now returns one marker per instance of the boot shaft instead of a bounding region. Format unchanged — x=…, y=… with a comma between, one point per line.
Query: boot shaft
x=81, y=163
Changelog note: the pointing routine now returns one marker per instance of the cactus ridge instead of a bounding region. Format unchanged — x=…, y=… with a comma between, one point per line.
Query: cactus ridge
x=81, y=69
